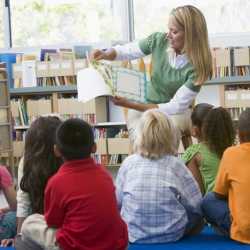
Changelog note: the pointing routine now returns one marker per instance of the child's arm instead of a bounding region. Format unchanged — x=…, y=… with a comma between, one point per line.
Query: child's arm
x=10, y=194
x=190, y=195
x=23, y=200
x=194, y=166
x=53, y=212
x=8, y=188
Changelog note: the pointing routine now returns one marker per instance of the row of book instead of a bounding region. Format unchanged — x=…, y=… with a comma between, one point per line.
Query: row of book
x=107, y=149
x=34, y=73
x=231, y=61
x=235, y=112
x=237, y=96
x=25, y=111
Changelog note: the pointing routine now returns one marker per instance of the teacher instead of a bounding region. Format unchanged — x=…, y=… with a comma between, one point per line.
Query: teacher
x=181, y=63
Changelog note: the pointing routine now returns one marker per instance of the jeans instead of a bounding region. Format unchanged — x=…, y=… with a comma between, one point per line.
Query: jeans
x=8, y=225
x=216, y=212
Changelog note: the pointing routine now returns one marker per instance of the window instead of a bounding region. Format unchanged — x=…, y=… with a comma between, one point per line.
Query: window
x=46, y=22
x=223, y=16
x=1, y=26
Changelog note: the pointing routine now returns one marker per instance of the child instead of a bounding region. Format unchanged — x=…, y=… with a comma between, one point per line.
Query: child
x=214, y=130
x=37, y=166
x=7, y=214
x=80, y=204
x=157, y=195
x=228, y=207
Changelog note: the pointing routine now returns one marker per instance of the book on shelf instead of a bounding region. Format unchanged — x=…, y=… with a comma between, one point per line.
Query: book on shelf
x=81, y=51
x=105, y=79
x=45, y=53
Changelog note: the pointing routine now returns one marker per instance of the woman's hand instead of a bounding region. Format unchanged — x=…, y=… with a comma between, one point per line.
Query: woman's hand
x=109, y=54
x=121, y=101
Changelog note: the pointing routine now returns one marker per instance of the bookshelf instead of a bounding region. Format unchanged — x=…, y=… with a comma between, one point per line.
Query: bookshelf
x=6, y=145
x=231, y=73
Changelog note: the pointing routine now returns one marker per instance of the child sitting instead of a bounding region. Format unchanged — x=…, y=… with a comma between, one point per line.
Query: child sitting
x=213, y=127
x=7, y=214
x=80, y=204
x=158, y=197
x=35, y=168
x=227, y=208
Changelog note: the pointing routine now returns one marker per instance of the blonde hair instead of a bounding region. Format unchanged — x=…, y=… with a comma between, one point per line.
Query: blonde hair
x=155, y=135
x=196, y=44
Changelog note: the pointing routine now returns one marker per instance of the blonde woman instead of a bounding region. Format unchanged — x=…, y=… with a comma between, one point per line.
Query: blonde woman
x=157, y=195
x=181, y=63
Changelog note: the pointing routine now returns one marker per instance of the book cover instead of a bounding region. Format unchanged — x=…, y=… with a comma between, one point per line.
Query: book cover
x=102, y=79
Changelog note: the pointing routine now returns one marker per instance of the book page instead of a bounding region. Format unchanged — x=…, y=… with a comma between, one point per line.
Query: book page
x=91, y=84
x=130, y=84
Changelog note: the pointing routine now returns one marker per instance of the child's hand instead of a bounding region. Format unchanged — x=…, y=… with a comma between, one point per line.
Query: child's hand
x=8, y=242
x=121, y=101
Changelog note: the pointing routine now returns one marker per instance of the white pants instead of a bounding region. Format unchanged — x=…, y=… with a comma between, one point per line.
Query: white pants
x=35, y=229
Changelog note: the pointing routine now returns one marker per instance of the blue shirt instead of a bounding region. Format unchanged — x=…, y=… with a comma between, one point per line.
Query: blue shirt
x=157, y=198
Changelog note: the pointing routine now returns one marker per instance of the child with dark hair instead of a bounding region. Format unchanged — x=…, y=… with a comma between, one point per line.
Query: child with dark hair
x=214, y=130
x=227, y=208
x=81, y=210
x=35, y=168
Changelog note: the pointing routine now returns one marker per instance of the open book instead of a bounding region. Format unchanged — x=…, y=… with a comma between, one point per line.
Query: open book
x=104, y=79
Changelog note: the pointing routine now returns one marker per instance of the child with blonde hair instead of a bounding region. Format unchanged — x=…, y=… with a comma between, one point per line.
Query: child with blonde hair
x=157, y=195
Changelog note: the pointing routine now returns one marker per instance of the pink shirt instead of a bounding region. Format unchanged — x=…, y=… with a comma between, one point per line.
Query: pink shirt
x=5, y=178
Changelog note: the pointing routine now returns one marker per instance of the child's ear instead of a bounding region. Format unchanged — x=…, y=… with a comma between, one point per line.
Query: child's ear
x=57, y=151
x=195, y=132
x=93, y=149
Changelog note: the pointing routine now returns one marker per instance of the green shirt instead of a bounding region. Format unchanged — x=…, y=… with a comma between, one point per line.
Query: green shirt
x=165, y=79
x=209, y=164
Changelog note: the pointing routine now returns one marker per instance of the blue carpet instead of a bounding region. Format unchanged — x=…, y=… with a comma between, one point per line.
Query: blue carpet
x=207, y=240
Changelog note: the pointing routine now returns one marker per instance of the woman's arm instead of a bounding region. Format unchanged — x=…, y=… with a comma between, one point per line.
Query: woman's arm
x=181, y=101
x=194, y=166
x=125, y=52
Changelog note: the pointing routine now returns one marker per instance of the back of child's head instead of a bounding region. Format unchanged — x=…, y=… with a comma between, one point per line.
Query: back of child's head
x=75, y=139
x=218, y=130
x=39, y=162
x=155, y=135
x=198, y=115
x=244, y=126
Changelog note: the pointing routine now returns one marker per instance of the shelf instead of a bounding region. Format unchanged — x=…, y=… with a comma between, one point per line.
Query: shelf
x=229, y=80
x=107, y=124
x=43, y=90
x=21, y=127
x=102, y=124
